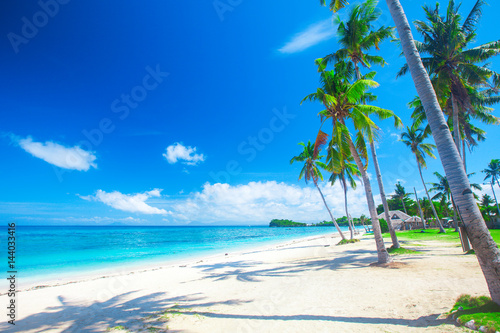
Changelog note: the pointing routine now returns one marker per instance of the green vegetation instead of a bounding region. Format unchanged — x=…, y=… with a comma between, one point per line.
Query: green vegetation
x=348, y=241
x=434, y=235
x=383, y=226
x=286, y=223
x=481, y=309
x=116, y=328
x=402, y=250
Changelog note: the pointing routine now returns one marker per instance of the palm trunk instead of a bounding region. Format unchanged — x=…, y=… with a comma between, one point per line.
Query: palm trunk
x=456, y=124
x=463, y=155
x=394, y=238
x=485, y=247
x=329, y=212
x=351, y=228
x=494, y=196
x=455, y=214
x=420, y=209
x=382, y=254
x=438, y=222
x=404, y=207
x=364, y=226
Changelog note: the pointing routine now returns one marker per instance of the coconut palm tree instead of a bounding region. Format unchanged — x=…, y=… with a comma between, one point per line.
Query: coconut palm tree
x=364, y=219
x=400, y=193
x=413, y=138
x=356, y=37
x=454, y=67
x=310, y=157
x=485, y=247
x=420, y=209
x=344, y=172
x=335, y=5
x=443, y=190
x=493, y=172
x=343, y=103
x=486, y=202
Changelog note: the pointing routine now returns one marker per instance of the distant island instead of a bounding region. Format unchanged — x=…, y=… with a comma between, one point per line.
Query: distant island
x=286, y=223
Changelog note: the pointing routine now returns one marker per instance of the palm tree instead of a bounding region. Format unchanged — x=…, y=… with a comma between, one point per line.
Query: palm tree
x=343, y=102
x=335, y=5
x=356, y=38
x=363, y=219
x=454, y=67
x=486, y=202
x=400, y=194
x=485, y=247
x=493, y=172
x=444, y=193
x=420, y=209
x=343, y=171
x=310, y=155
x=413, y=138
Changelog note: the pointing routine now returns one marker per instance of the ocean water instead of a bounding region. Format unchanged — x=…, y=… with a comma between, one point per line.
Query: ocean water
x=52, y=252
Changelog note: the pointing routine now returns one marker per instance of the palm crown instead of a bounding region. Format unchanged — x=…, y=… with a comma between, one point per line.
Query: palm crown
x=413, y=138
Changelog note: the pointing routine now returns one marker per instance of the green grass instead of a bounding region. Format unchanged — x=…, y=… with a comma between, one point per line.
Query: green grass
x=402, y=250
x=348, y=241
x=116, y=328
x=433, y=234
x=482, y=309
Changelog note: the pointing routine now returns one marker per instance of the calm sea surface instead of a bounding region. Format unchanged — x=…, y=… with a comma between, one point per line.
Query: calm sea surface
x=53, y=252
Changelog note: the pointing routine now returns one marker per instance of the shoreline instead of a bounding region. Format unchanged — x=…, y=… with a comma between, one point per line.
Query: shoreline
x=304, y=284
x=158, y=264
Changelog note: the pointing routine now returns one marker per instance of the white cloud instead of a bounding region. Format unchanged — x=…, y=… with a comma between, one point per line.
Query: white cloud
x=64, y=157
x=186, y=155
x=313, y=35
x=135, y=203
x=259, y=202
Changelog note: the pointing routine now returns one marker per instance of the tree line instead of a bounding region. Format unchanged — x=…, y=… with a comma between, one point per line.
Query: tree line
x=456, y=88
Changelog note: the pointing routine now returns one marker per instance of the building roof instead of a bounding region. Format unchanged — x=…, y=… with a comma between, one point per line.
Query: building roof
x=413, y=219
x=396, y=216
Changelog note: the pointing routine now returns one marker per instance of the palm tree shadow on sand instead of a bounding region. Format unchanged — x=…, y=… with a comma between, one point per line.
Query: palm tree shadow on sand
x=133, y=314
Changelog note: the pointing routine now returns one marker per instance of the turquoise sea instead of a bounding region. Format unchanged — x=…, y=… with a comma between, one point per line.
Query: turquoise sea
x=53, y=252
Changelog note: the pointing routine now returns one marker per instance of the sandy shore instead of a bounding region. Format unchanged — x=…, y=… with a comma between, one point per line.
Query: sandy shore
x=309, y=285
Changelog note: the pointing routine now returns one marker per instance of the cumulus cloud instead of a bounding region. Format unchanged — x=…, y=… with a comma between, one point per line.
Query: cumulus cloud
x=259, y=202
x=186, y=155
x=313, y=35
x=74, y=158
x=135, y=203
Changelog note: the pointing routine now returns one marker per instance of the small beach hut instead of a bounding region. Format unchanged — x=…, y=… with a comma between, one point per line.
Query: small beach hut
x=397, y=218
x=414, y=222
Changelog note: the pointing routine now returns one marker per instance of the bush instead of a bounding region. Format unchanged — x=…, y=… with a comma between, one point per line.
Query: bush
x=348, y=241
x=383, y=226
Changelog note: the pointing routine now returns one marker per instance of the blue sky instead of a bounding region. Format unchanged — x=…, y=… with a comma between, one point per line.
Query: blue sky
x=175, y=113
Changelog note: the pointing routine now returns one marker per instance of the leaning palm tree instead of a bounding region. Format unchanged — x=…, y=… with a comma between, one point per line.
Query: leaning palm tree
x=344, y=172
x=413, y=138
x=445, y=41
x=310, y=157
x=485, y=247
x=356, y=36
x=343, y=103
x=493, y=172
x=400, y=193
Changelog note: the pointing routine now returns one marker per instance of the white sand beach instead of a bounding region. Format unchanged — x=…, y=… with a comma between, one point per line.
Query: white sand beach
x=308, y=285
